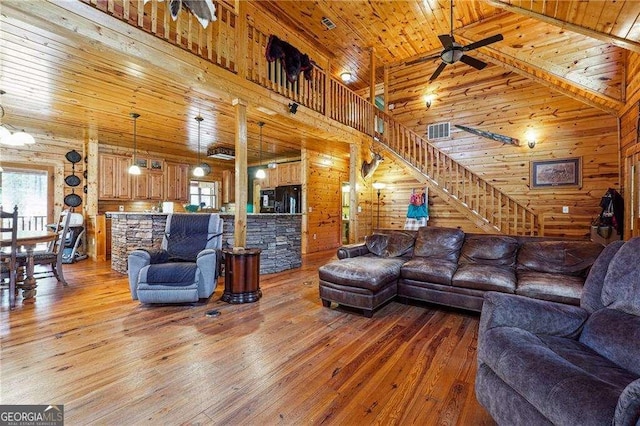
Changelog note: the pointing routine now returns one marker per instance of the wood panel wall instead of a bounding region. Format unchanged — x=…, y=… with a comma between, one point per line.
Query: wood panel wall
x=629, y=135
x=502, y=102
x=394, y=200
x=325, y=173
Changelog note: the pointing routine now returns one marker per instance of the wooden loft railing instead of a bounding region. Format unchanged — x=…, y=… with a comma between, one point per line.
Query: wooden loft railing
x=483, y=203
x=216, y=43
x=309, y=93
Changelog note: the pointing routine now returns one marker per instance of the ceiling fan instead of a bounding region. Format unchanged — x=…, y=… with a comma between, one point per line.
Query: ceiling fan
x=454, y=52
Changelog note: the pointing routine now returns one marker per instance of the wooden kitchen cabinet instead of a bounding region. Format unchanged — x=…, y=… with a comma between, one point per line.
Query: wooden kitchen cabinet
x=271, y=179
x=114, y=180
x=177, y=182
x=289, y=173
x=148, y=186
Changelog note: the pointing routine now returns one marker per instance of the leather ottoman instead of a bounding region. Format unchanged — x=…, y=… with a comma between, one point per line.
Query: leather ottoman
x=362, y=282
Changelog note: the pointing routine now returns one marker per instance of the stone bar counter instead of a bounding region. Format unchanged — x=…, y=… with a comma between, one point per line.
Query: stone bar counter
x=278, y=235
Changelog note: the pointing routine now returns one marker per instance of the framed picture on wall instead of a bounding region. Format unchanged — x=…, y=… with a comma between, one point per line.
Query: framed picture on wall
x=556, y=173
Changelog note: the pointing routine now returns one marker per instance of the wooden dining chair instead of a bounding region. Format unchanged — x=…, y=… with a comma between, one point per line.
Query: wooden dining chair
x=8, y=262
x=53, y=255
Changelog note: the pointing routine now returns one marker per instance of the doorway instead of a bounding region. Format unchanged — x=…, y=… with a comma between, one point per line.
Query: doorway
x=345, y=212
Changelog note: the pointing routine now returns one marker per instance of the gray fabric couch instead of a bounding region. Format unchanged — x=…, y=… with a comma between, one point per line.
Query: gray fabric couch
x=542, y=363
x=448, y=267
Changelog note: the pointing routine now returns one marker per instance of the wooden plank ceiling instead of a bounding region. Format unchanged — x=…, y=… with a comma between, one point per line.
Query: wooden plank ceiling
x=58, y=86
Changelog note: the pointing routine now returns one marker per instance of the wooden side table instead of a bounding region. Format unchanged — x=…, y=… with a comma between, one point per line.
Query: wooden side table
x=241, y=275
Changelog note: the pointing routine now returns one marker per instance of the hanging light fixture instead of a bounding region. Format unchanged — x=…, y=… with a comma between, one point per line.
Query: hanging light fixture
x=260, y=174
x=198, y=171
x=134, y=169
x=18, y=138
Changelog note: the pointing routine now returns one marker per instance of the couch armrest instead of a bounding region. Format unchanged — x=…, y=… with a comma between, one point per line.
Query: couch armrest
x=352, y=250
x=156, y=255
x=207, y=262
x=533, y=315
x=137, y=260
x=628, y=408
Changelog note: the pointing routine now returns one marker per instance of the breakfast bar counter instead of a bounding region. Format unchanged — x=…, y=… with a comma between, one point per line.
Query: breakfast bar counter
x=277, y=235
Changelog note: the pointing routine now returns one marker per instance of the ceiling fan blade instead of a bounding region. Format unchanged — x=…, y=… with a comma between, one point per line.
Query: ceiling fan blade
x=446, y=40
x=483, y=42
x=477, y=64
x=437, y=72
x=421, y=60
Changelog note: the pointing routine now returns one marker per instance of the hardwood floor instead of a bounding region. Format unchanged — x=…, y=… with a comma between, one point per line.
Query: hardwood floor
x=282, y=360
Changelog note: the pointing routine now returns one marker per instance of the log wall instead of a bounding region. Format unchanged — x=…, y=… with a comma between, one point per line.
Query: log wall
x=325, y=174
x=629, y=138
x=394, y=200
x=505, y=103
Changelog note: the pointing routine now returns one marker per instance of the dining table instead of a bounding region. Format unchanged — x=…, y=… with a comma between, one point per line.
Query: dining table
x=28, y=240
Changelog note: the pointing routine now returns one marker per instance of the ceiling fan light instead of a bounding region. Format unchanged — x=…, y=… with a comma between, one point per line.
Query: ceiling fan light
x=198, y=171
x=260, y=174
x=134, y=169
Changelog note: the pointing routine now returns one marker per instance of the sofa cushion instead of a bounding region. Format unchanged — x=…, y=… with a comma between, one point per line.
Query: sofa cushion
x=591, y=299
x=435, y=270
x=439, y=243
x=621, y=289
x=616, y=336
x=485, y=277
x=394, y=244
x=489, y=250
x=399, y=244
x=553, y=287
x=561, y=257
x=376, y=243
x=367, y=271
x=563, y=379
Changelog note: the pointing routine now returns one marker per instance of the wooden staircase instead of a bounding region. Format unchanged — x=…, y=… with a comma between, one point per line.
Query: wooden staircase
x=482, y=203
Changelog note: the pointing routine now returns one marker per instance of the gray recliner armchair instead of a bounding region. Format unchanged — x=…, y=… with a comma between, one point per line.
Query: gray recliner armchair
x=542, y=363
x=186, y=268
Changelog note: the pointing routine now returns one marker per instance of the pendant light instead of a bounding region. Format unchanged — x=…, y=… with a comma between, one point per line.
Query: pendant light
x=198, y=171
x=260, y=174
x=134, y=169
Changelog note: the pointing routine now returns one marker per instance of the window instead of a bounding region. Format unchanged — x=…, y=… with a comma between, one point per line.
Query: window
x=204, y=194
x=29, y=190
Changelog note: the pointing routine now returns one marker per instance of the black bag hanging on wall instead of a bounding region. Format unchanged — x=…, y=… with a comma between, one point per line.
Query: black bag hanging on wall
x=612, y=215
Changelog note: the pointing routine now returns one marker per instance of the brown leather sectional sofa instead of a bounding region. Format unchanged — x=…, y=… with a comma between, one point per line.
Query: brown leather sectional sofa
x=448, y=267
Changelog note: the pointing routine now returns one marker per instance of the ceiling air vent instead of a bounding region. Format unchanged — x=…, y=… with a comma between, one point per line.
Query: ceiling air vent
x=221, y=153
x=438, y=131
x=328, y=23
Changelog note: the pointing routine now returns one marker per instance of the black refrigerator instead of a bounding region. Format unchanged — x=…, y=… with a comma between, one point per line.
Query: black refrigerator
x=288, y=199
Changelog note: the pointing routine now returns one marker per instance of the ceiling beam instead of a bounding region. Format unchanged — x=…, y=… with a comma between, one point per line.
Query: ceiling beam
x=607, y=38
